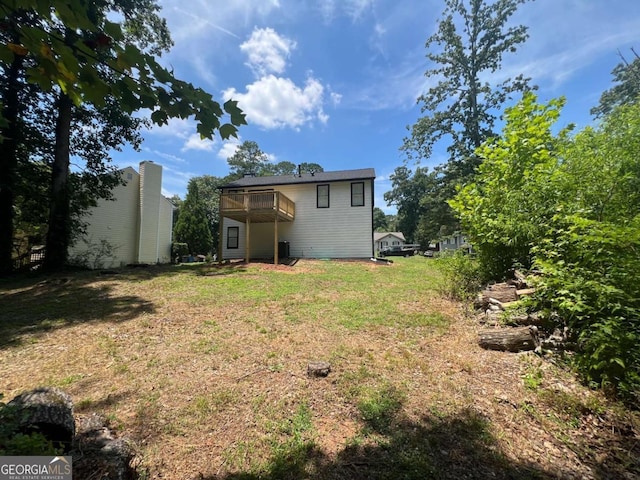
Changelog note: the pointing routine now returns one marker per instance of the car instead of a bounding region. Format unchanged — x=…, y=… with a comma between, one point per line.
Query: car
x=398, y=251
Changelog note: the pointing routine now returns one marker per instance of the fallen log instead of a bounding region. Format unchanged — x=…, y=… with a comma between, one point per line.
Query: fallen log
x=500, y=292
x=509, y=339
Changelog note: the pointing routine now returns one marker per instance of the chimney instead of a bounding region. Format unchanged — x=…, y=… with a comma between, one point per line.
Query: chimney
x=299, y=170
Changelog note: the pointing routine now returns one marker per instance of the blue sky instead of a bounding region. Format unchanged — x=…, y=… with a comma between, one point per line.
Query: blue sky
x=336, y=82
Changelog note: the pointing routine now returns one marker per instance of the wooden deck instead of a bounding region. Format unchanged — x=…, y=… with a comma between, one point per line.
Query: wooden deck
x=257, y=207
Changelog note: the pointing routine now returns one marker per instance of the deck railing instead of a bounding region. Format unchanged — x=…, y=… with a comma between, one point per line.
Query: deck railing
x=258, y=202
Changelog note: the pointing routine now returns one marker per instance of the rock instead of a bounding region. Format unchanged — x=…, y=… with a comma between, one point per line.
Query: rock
x=318, y=369
x=97, y=453
x=48, y=411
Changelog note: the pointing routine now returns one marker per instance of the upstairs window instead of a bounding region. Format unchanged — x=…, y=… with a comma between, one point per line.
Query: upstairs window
x=357, y=194
x=322, y=196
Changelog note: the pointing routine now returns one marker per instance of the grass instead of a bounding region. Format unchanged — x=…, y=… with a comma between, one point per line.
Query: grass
x=204, y=369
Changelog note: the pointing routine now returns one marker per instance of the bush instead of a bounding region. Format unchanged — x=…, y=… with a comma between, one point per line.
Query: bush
x=179, y=249
x=462, y=275
x=591, y=281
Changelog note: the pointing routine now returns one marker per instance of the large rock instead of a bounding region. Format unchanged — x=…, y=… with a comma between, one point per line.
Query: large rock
x=97, y=453
x=48, y=411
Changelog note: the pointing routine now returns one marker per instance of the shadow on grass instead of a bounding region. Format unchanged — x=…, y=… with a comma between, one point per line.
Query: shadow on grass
x=454, y=447
x=38, y=304
x=35, y=303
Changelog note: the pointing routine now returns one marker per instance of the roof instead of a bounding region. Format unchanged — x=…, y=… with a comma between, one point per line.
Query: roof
x=318, y=177
x=378, y=235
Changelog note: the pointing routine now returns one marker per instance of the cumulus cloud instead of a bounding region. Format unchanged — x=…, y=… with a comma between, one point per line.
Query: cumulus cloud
x=194, y=142
x=275, y=102
x=228, y=148
x=267, y=51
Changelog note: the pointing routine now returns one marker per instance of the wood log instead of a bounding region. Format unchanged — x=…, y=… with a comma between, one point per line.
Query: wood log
x=509, y=339
x=500, y=292
x=525, y=319
x=525, y=292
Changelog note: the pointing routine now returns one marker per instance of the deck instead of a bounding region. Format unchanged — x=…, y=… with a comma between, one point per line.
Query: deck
x=257, y=207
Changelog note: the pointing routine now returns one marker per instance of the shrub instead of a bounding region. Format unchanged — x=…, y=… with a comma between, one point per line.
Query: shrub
x=591, y=280
x=462, y=274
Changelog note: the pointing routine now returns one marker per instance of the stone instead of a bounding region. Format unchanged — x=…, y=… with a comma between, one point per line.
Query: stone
x=48, y=411
x=318, y=369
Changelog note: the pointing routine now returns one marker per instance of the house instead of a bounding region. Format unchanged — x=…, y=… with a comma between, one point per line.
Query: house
x=387, y=239
x=307, y=215
x=133, y=228
x=454, y=242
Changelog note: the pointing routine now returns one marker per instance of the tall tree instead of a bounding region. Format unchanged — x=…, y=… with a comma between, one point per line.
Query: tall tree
x=626, y=89
x=72, y=63
x=210, y=199
x=466, y=52
x=193, y=227
x=380, y=223
x=248, y=159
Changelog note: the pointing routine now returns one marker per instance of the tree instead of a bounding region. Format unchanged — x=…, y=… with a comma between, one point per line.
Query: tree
x=70, y=59
x=507, y=206
x=193, y=227
x=248, y=159
x=380, y=223
x=210, y=200
x=407, y=191
x=626, y=77
x=473, y=36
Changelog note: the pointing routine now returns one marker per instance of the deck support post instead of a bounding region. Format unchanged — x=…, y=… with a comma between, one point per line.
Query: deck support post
x=275, y=241
x=247, y=243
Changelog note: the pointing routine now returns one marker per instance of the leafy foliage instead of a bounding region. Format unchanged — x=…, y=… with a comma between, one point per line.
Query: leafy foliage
x=570, y=208
x=626, y=90
x=192, y=227
x=471, y=40
x=507, y=206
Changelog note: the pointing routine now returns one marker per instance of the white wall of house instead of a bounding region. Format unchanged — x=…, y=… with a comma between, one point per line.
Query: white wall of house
x=136, y=224
x=388, y=241
x=340, y=231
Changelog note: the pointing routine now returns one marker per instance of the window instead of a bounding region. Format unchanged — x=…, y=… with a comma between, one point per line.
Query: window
x=395, y=242
x=357, y=194
x=384, y=243
x=232, y=237
x=322, y=196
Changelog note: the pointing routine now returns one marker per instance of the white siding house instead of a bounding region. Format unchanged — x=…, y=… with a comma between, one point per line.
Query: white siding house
x=324, y=215
x=387, y=239
x=134, y=228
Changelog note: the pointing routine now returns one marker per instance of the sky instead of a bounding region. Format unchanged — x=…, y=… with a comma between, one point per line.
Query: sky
x=336, y=82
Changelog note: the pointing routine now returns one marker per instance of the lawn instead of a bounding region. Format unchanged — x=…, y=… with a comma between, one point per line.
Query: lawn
x=204, y=369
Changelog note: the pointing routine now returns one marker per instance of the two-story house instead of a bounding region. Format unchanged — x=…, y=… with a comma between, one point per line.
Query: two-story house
x=308, y=215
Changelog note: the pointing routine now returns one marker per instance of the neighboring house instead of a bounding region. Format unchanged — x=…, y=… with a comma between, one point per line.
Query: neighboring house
x=387, y=239
x=454, y=242
x=134, y=228
x=319, y=215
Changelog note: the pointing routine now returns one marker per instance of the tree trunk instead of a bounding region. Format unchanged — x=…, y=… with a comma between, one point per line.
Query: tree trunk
x=59, y=223
x=9, y=162
x=509, y=339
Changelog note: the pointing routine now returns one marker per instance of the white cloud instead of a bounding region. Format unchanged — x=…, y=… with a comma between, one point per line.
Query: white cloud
x=267, y=51
x=354, y=9
x=228, y=148
x=194, y=142
x=274, y=102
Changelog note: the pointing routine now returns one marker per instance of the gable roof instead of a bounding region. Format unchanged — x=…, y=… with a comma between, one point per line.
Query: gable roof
x=318, y=177
x=379, y=235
